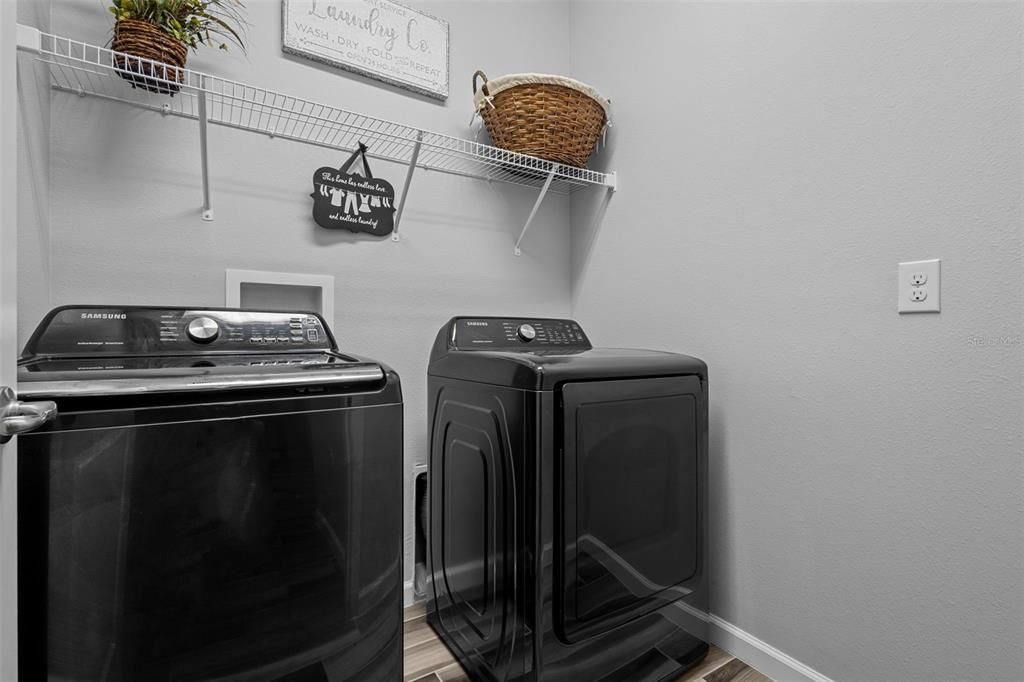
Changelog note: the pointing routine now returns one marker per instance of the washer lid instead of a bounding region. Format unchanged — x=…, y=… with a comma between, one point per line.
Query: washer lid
x=85, y=351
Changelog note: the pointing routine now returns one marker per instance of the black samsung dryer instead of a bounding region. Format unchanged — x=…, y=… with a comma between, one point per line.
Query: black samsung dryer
x=567, y=495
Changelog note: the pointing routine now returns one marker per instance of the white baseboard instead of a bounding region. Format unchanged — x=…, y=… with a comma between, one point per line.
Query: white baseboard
x=758, y=654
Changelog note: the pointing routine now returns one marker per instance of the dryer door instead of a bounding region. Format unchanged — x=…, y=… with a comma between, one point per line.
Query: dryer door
x=634, y=453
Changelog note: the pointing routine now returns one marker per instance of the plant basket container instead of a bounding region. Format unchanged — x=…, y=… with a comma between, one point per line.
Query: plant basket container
x=551, y=117
x=152, y=59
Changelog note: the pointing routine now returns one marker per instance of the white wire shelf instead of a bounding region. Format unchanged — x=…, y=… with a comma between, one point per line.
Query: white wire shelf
x=90, y=70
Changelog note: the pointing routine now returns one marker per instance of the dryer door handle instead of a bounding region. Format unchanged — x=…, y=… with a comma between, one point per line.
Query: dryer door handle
x=20, y=417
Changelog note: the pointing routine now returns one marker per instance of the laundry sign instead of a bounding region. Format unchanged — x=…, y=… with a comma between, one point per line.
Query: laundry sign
x=348, y=201
x=376, y=38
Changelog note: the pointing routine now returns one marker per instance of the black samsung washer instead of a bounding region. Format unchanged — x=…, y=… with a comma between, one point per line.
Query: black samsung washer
x=567, y=503
x=219, y=497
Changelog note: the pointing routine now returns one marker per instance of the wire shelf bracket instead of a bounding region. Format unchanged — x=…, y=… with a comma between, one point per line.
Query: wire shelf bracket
x=405, y=187
x=90, y=70
x=536, y=206
x=204, y=121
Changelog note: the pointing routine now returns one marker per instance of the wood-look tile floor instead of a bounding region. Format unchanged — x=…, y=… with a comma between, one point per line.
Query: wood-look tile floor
x=428, y=660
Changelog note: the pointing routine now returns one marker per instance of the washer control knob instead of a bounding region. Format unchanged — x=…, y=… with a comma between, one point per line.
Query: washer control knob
x=526, y=332
x=203, y=329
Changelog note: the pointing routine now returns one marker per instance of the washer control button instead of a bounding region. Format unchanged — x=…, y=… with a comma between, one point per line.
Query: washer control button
x=203, y=329
x=526, y=332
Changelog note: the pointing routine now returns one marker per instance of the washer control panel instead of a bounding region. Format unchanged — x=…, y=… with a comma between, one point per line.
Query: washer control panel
x=521, y=334
x=89, y=330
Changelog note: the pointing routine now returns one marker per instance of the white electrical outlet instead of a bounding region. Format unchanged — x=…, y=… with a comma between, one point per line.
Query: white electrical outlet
x=918, y=286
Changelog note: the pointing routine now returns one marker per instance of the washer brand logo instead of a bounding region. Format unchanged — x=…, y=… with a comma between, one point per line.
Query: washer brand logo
x=476, y=324
x=104, y=316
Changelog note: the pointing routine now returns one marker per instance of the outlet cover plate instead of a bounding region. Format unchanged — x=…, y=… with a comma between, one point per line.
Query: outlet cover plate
x=907, y=272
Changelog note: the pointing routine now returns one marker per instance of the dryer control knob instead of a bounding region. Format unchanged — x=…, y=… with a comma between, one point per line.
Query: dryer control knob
x=203, y=329
x=526, y=332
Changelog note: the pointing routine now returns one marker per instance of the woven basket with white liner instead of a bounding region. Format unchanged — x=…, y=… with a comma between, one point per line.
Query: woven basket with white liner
x=551, y=117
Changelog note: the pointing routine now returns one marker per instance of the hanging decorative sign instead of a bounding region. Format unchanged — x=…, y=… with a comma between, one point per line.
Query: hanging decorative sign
x=347, y=201
x=379, y=39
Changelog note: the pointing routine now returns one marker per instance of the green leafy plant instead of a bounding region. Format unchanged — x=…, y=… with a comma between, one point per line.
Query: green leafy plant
x=193, y=22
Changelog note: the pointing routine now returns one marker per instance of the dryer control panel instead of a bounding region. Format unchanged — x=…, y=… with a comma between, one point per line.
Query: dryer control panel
x=518, y=334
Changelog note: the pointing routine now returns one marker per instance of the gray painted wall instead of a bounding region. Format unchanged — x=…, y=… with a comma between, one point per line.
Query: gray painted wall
x=33, y=177
x=776, y=161
x=124, y=199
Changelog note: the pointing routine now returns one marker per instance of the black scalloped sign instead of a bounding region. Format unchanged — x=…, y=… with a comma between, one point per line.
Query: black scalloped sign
x=349, y=201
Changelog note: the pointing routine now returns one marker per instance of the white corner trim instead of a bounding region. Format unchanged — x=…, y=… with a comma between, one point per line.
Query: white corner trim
x=407, y=594
x=758, y=654
x=233, y=280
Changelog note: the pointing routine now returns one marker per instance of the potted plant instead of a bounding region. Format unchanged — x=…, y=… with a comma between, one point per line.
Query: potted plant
x=148, y=31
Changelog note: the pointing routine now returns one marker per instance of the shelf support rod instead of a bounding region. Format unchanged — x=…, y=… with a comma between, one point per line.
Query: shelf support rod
x=408, y=181
x=536, y=205
x=204, y=124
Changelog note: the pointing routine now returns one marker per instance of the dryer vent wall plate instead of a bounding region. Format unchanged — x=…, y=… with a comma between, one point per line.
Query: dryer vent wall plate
x=263, y=290
x=918, y=287
x=263, y=296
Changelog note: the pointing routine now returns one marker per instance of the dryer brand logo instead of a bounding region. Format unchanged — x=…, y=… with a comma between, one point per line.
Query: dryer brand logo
x=476, y=324
x=104, y=316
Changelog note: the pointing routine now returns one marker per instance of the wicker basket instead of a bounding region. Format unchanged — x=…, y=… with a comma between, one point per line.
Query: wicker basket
x=552, y=117
x=148, y=43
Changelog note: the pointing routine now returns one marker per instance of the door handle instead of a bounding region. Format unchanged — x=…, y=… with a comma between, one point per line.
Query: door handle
x=18, y=417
